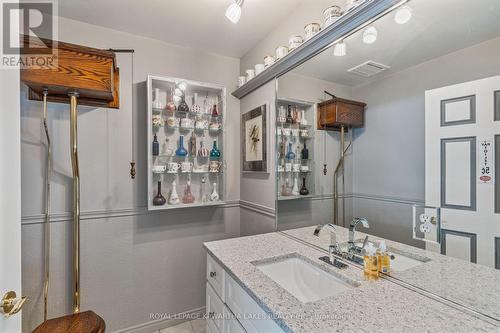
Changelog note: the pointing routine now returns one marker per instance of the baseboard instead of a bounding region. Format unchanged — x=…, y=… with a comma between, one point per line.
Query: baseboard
x=156, y=325
x=261, y=209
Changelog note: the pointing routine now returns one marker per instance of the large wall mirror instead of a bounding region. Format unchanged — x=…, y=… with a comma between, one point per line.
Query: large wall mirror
x=398, y=123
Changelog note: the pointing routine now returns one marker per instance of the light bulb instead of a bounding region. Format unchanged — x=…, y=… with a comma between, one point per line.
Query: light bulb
x=370, y=35
x=233, y=12
x=340, y=49
x=403, y=15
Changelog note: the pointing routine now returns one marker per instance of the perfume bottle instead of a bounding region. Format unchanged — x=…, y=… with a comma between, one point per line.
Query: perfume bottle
x=214, y=196
x=303, y=189
x=181, y=151
x=215, y=111
x=290, y=155
x=203, y=152
x=305, y=152
x=295, y=115
x=170, y=101
x=282, y=151
x=192, y=145
x=285, y=189
x=295, y=188
x=156, y=146
x=157, y=104
x=188, y=196
x=215, y=152
x=303, y=120
x=203, y=194
x=195, y=107
x=289, y=118
x=159, y=199
x=167, y=149
x=174, y=197
x=183, y=107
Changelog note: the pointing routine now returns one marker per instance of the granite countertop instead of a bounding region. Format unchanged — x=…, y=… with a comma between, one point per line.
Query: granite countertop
x=372, y=306
x=471, y=285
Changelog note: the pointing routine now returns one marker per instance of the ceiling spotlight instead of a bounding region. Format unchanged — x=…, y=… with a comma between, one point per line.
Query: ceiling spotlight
x=403, y=15
x=370, y=35
x=340, y=49
x=233, y=12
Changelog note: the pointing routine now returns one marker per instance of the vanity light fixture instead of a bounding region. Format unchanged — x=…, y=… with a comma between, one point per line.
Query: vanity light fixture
x=233, y=12
x=370, y=35
x=340, y=49
x=403, y=15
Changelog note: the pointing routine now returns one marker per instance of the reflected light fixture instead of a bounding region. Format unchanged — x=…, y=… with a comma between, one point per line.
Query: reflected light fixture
x=233, y=12
x=403, y=15
x=340, y=49
x=370, y=35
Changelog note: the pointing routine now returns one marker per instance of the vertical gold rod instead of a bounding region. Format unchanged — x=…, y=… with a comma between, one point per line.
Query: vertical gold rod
x=48, y=175
x=76, y=201
x=340, y=166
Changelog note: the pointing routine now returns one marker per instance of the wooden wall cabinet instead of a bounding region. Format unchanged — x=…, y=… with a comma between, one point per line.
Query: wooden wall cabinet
x=337, y=112
x=90, y=72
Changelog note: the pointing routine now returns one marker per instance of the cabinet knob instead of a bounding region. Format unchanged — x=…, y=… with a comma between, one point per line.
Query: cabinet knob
x=213, y=274
x=211, y=315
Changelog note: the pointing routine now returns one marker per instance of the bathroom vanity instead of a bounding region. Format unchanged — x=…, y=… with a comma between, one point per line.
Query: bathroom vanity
x=274, y=283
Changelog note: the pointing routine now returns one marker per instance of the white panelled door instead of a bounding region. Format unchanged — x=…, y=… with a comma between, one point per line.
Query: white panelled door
x=462, y=130
x=10, y=193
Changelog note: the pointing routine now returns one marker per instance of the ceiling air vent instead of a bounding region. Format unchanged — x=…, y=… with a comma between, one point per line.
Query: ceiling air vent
x=368, y=69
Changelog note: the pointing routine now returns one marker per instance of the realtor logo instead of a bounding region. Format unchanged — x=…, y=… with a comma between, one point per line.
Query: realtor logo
x=27, y=29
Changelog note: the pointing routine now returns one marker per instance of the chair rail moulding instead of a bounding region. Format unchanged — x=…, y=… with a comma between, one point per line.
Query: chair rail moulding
x=351, y=22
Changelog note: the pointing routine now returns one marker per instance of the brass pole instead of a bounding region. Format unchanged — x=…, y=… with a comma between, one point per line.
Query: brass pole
x=48, y=175
x=76, y=200
x=340, y=166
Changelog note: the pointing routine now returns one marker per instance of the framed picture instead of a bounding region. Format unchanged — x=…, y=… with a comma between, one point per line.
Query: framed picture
x=254, y=139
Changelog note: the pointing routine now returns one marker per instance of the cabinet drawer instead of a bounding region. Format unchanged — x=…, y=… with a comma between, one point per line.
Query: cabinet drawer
x=215, y=309
x=216, y=276
x=232, y=325
x=251, y=315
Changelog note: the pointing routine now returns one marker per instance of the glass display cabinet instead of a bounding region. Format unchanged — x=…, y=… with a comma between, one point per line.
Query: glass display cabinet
x=186, y=166
x=295, y=123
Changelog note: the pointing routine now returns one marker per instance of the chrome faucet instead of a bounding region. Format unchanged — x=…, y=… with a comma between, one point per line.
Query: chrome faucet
x=352, y=229
x=334, y=245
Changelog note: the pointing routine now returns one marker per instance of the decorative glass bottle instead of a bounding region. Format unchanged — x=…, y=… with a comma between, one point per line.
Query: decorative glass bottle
x=183, y=107
x=215, y=152
x=181, y=151
x=303, y=189
x=215, y=111
x=214, y=196
x=192, y=145
x=282, y=151
x=195, y=107
x=295, y=188
x=157, y=104
x=289, y=118
x=156, y=146
x=203, y=194
x=167, y=149
x=285, y=189
x=303, y=120
x=203, y=151
x=305, y=152
x=174, y=197
x=159, y=199
x=188, y=196
x=290, y=155
x=170, y=101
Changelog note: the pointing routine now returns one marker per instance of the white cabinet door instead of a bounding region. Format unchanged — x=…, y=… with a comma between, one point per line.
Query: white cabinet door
x=460, y=138
x=10, y=194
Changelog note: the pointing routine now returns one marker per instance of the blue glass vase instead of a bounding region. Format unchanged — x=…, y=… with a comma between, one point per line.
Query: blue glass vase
x=215, y=152
x=290, y=155
x=181, y=151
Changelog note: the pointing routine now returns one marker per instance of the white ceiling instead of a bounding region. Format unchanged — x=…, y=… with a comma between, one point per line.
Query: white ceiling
x=437, y=28
x=199, y=24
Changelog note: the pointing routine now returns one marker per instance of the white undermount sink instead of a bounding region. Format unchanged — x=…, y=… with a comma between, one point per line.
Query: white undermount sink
x=303, y=280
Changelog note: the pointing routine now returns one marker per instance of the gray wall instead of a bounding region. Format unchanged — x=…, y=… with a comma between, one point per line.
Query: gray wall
x=389, y=169
x=127, y=253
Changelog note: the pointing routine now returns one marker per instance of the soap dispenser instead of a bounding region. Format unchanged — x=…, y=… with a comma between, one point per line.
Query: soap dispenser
x=384, y=259
x=371, y=262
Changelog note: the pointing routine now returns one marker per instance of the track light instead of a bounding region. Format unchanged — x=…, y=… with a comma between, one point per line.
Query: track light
x=233, y=12
x=370, y=35
x=403, y=15
x=340, y=49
